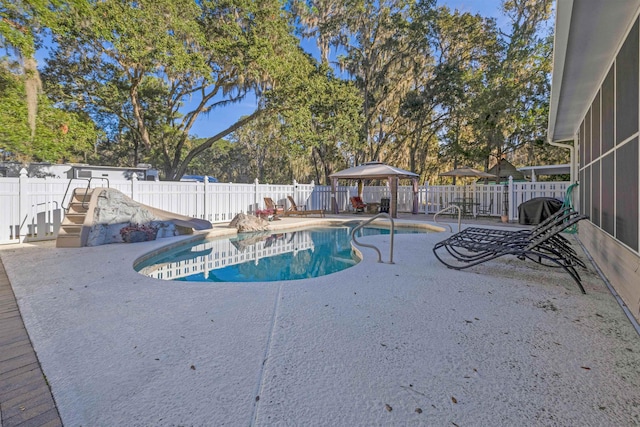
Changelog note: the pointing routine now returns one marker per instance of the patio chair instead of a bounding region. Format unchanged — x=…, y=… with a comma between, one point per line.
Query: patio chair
x=545, y=247
x=385, y=205
x=301, y=210
x=486, y=233
x=358, y=204
x=486, y=210
x=478, y=235
x=271, y=205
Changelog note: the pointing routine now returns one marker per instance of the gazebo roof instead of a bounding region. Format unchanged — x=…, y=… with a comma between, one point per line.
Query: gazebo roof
x=373, y=170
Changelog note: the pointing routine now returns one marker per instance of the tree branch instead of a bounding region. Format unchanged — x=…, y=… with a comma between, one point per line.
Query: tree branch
x=209, y=142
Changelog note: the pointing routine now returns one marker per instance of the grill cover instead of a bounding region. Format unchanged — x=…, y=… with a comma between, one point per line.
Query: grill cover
x=534, y=211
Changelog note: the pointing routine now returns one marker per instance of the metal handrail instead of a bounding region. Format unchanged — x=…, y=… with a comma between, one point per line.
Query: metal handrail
x=362, y=224
x=86, y=191
x=446, y=209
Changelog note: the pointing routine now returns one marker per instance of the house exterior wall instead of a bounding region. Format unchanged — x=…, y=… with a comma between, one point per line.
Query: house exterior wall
x=620, y=265
x=609, y=172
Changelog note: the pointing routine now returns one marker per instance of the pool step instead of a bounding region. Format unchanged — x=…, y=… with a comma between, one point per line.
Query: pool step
x=68, y=240
x=74, y=230
x=78, y=207
x=80, y=199
x=75, y=217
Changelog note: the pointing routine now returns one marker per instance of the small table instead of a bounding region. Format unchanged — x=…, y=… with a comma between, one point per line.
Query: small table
x=467, y=207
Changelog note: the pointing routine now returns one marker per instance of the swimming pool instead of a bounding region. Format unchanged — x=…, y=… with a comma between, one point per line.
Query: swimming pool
x=262, y=257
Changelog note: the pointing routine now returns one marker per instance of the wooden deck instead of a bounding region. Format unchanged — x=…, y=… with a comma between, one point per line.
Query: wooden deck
x=25, y=397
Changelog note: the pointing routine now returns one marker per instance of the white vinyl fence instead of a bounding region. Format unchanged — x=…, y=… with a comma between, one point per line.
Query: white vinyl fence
x=490, y=200
x=32, y=209
x=493, y=200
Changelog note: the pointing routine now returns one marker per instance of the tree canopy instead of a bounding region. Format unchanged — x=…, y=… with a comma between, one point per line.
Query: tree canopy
x=412, y=83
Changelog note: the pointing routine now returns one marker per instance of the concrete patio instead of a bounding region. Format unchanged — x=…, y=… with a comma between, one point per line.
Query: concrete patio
x=505, y=343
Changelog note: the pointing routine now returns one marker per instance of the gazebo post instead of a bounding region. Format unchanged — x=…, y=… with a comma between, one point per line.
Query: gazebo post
x=393, y=181
x=334, y=202
x=414, y=182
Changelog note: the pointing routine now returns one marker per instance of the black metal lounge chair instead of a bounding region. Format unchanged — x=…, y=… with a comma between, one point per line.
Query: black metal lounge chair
x=560, y=215
x=545, y=247
x=487, y=235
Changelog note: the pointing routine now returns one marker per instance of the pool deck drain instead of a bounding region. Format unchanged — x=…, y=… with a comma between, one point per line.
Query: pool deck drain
x=25, y=398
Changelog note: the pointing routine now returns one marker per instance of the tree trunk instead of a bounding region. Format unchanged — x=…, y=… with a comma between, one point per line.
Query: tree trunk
x=32, y=85
x=138, y=114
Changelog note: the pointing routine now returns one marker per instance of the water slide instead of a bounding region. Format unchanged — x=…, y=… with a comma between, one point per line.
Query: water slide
x=80, y=217
x=177, y=219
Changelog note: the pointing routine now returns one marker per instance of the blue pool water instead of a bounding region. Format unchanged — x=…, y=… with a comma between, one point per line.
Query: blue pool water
x=262, y=257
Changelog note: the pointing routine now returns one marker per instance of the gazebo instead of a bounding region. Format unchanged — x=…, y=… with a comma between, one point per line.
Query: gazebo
x=377, y=170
